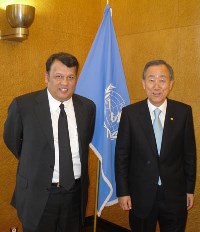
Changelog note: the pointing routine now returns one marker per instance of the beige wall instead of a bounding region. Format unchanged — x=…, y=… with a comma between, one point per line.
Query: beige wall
x=170, y=30
x=145, y=29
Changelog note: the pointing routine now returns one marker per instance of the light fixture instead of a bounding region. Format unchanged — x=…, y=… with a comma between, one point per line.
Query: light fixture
x=20, y=18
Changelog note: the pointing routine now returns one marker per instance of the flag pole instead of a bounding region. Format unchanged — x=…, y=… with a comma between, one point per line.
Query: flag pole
x=107, y=2
x=96, y=199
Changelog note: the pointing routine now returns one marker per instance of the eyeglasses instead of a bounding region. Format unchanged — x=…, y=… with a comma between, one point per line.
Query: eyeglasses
x=62, y=78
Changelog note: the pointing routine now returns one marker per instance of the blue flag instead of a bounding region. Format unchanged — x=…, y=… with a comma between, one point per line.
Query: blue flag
x=102, y=80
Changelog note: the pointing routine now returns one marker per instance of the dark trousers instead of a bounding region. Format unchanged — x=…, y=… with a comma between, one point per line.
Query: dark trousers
x=62, y=212
x=170, y=219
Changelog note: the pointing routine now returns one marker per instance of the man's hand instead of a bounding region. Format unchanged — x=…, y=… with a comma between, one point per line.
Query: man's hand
x=190, y=200
x=125, y=202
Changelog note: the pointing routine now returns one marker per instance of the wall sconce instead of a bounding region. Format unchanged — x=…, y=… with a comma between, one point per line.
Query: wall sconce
x=20, y=18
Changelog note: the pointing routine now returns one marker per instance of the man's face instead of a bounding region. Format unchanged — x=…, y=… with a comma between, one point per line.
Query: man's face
x=157, y=84
x=61, y=81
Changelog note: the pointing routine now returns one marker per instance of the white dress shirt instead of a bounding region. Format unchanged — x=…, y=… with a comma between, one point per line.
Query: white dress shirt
x=163, y=108
x=73, y=135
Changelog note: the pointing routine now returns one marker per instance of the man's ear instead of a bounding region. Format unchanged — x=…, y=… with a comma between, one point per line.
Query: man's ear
x=46, y=77
x=143, y=84
x=171, y=84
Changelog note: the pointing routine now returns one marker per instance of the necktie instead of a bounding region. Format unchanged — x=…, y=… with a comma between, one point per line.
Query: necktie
x=158, y=130
x=65, y=156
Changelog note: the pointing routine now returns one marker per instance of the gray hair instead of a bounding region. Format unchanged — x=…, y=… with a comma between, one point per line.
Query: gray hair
x=156, y=63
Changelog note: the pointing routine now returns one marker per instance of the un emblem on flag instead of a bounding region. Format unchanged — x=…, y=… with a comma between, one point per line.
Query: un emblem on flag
x=113, y=105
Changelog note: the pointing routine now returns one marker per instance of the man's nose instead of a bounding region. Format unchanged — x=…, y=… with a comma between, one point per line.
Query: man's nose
x=157, y=84
x=65, y=80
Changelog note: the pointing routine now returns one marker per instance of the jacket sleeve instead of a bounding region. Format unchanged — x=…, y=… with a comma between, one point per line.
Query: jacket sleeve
x=13, y=130
x=122, y=153
x=92, y=123
x=190, y=153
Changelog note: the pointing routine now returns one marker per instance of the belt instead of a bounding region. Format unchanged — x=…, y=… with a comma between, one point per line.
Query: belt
x=57, y=184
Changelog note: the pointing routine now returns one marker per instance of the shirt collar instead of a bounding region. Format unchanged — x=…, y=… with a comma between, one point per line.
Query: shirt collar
x=163, y=107
x=54, y=104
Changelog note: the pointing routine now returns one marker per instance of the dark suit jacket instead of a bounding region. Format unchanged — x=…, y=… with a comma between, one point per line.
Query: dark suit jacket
x=137, y=164
x=28, y=134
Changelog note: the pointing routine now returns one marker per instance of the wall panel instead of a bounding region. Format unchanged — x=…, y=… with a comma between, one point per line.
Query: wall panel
x=145, y=30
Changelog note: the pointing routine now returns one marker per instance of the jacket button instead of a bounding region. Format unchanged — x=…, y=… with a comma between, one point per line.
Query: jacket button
x=148, y=162
x=51, y=166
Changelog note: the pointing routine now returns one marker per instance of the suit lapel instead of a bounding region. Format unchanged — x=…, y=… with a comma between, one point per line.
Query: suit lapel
x=43, y=114
x=79, y=119
x=168, y=127
x=146, y=124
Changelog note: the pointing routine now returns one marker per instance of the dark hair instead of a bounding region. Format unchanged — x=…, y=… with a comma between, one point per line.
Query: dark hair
x=155, y=63
x=66, y=58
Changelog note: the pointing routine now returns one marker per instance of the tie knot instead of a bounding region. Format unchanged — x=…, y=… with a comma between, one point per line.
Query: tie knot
x=61, y=107
x=157, y=112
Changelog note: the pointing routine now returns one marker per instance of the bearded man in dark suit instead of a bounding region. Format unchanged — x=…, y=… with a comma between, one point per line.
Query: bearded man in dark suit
x=156, y=168
x=33, y=135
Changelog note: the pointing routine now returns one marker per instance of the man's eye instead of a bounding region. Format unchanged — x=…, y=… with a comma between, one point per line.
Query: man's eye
x=162, y=80
x=70, y=77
